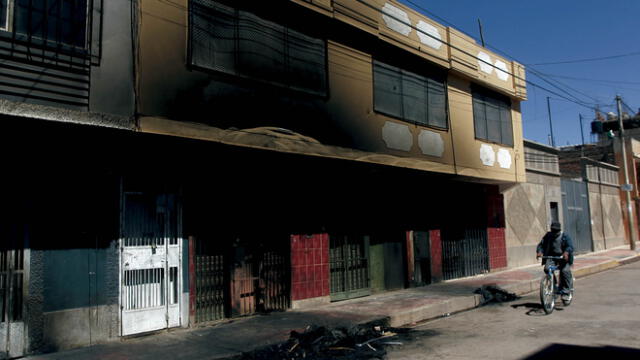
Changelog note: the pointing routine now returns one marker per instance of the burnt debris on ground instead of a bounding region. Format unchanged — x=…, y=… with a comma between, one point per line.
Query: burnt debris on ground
x=320, y=343
x=495, y=294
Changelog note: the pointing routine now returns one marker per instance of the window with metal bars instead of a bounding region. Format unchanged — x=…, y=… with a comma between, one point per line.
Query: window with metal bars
x=54, y=22
x=239, y=43
x=408, y=96
x=492, y=116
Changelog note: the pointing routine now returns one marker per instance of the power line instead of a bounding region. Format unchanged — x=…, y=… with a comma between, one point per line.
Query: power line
x=539, y=75
x=587, y=60
x=628, y=107
x=592, y=80
x=575, y=100
x=578, y=91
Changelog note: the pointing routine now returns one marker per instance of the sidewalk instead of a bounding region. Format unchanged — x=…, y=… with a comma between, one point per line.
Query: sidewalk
x=398, y=308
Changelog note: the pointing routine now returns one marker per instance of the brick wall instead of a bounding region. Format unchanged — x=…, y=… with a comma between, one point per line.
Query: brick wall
x=309, y=266
x=497, y=248
x=436, y=255
x=496, y=238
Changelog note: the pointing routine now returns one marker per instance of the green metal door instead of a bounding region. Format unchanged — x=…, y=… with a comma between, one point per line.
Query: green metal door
x=349, y=266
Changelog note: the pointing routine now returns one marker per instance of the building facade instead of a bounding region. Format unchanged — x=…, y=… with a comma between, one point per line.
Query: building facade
x=198, y=160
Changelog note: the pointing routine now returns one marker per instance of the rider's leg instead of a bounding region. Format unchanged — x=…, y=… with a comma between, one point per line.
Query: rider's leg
x=565, y=278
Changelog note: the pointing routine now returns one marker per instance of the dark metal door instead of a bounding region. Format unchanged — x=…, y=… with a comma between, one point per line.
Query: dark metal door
x=577, y=218
x=244, y=281
x=211, y=282
x=240, y=279
x=274, y=289
x=12, y=290
x=349, y=266
x=260, y=277
x=422, y=258
x=464, y=252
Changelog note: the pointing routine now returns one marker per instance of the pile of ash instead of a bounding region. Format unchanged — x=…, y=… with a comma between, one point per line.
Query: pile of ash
x=319, y=343
x=495, y=294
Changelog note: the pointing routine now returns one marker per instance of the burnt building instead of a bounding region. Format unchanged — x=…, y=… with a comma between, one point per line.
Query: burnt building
x=173, y=163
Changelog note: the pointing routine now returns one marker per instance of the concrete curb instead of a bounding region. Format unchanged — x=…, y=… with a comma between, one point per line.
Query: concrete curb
x=464, y=303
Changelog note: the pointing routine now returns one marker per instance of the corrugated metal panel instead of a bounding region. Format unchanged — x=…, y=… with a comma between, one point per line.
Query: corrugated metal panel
x=45, y=82
x=577, y=219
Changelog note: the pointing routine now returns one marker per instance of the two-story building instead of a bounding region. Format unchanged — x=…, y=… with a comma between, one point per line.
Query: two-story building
x=178, y=162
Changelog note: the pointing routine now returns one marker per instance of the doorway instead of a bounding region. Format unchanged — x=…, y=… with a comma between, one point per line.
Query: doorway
x=150, y=263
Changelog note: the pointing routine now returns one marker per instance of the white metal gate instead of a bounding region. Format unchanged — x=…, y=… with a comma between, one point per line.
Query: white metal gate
x=150, y=274
x=12, y=293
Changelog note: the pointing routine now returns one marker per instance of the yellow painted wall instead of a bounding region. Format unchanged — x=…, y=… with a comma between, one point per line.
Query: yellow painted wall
x=165, y=80
x=468, y=148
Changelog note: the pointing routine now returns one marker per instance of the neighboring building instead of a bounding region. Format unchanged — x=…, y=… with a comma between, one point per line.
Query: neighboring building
x=608, y=133
x=531, y=207
x=581, y=193
x=591, y=203
x=175, y=163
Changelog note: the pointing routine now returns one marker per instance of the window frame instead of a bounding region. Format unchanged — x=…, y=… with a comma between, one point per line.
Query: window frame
x=286, y=85
x=10, y=30
x=426, y=79
x=483, y=96
x=8, y=11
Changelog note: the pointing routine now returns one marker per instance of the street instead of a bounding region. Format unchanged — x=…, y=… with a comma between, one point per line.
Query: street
x=602, y=320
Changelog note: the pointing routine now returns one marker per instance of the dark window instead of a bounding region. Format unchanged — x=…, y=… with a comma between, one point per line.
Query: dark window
x=4, y=9
x=57, y=21
x=242, y=44
x=409, y=96
x=492, y=117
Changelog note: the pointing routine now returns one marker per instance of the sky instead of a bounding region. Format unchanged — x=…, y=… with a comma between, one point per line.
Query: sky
x=544, y=31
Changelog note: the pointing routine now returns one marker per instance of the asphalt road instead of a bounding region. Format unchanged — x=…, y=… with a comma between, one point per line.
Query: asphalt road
x=602, y=321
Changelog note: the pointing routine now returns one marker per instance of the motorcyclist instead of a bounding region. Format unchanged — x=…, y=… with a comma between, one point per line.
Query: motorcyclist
x=558, y=243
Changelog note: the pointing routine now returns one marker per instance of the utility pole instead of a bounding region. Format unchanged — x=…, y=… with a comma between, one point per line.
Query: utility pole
x=553, y=141
x=582, y=135
x=626, y=190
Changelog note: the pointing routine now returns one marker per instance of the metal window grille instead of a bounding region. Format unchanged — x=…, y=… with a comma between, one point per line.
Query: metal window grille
x=47, y=48
x=57, y=21
x=242, y=44
x=492, y=117
x=409, y=96
x=143, y=289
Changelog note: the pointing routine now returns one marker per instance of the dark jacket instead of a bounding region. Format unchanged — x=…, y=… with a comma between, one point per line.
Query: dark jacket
x=546, y=245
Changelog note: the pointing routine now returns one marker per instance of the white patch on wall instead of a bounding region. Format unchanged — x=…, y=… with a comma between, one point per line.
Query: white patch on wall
x=431, y=143
x=501, y=70
x=427, y=34
x=487, y=155
x=396, y=19
x=484, y=60
x=504, y=158
x=397, y=136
